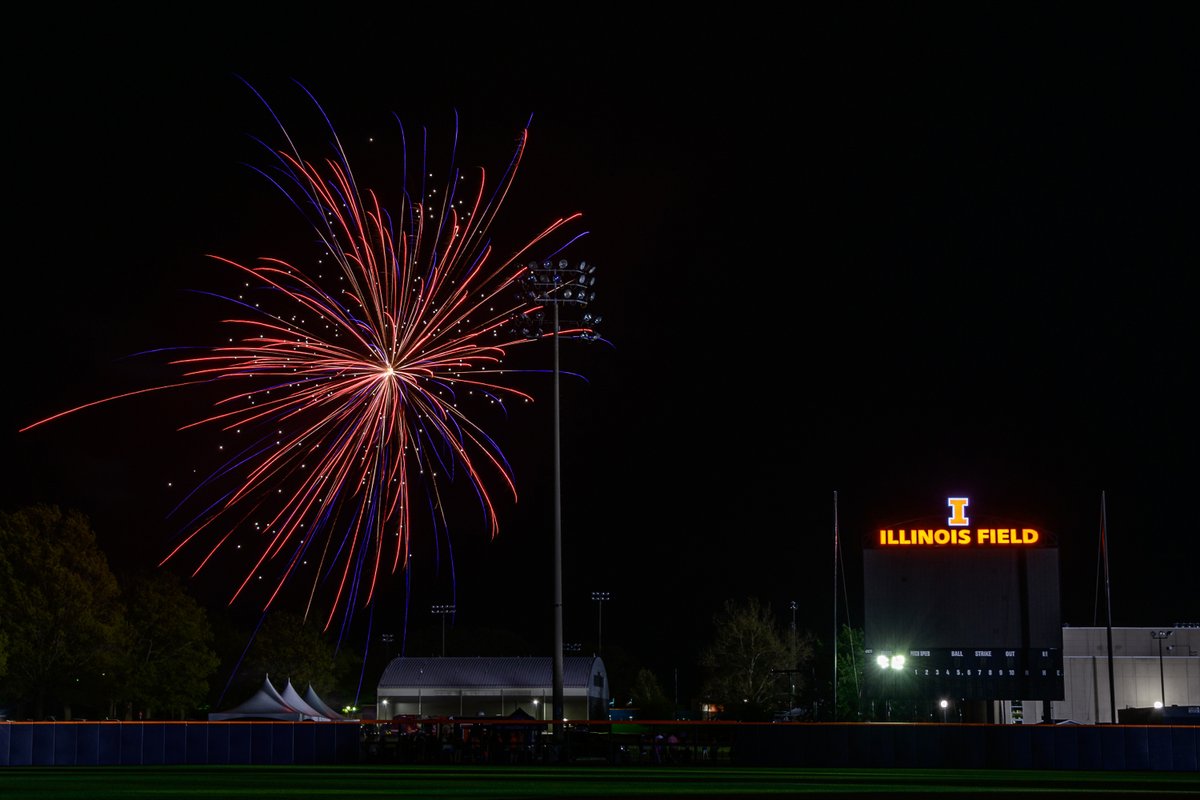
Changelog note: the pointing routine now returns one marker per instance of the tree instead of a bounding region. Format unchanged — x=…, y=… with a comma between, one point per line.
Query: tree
x=851, y=661
x=748, y=665
x=801, y=648
x=3, y=650
x=60, y=608
x=649, y=698
x=170, y=655
x=289, y=647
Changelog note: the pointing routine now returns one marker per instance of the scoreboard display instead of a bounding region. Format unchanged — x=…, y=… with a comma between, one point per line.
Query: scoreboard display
x=962, y=608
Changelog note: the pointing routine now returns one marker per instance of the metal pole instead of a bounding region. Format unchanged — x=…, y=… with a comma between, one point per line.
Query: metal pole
x=558, y=609
x=1112, y=689
x=556, y=286
x=795, y=659
x=600, y=597
x=1162, y=681
x=835, y=612
x=443, y=610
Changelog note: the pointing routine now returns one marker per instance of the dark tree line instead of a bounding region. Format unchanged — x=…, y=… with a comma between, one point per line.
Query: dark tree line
x=76, y=642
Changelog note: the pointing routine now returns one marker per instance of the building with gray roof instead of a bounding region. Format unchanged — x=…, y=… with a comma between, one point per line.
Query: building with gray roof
x=491, y=687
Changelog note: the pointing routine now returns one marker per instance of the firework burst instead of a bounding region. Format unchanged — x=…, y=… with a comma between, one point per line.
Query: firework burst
x=352, y=386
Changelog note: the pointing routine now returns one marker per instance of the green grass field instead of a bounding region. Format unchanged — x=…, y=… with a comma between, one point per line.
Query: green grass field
x=348, y=782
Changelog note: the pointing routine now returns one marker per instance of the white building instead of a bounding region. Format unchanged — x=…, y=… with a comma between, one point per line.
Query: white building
x=1148, y=668
x=491, y=687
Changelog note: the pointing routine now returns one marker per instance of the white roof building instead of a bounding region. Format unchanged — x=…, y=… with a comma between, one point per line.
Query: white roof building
x=491, y=687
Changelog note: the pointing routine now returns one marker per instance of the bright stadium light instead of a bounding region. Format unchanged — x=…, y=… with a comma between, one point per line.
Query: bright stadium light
x=554, y=285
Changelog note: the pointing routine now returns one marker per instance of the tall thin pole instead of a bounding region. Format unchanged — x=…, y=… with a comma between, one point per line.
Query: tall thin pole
x=600, y=597
x=1162, y=680
x=558, y=608
x=795, y=655
x=443, y=610
x=1112, y=689
x=554, y=286
x=835, y=606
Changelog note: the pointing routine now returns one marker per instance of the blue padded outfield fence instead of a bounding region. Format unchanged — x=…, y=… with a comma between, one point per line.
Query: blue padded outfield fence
x=1052, y=747
x=134, y=743
x=500, y=741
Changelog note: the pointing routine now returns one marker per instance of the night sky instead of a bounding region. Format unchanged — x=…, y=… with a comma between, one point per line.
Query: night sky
x=890, y=252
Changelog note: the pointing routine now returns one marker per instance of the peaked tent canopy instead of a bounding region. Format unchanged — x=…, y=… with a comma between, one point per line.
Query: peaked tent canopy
x=310, y=697
x=268, y=703
x=293, y=699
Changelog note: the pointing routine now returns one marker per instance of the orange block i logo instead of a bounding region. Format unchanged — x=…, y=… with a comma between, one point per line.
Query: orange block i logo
x=958, y=509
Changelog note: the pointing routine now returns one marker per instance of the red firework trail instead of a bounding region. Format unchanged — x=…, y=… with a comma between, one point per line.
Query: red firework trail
x=356, y=390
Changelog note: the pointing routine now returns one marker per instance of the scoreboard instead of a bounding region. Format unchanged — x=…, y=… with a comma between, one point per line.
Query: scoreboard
x=962, y=608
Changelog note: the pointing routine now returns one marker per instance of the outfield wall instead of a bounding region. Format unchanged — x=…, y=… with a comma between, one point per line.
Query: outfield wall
x=135, y=743
x=1174, y=748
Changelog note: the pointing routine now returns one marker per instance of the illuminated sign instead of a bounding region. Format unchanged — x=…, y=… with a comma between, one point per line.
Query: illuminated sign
x=958, y=509
x=956, y=532
x=958, y=536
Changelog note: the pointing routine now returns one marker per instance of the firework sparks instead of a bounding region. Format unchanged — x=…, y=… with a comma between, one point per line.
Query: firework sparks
x=351, y=394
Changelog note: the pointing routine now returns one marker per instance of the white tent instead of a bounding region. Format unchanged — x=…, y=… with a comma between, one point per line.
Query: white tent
x=268, y=703
x=293, y=699
x=316, y=702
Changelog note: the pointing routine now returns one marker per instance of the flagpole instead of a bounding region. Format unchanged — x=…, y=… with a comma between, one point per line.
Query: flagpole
x=835, y=606
x=1112, y=691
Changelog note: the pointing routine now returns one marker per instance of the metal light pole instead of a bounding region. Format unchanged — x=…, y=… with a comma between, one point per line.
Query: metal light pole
x=554, y=285
x=1162, y=681
x=442, y=611
x=600, y=597
x=795, y=659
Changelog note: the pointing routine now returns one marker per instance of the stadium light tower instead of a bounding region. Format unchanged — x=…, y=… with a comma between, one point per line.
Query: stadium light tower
x=442, y=611
x=556, y=284
x=888, y=664
x=600, y=597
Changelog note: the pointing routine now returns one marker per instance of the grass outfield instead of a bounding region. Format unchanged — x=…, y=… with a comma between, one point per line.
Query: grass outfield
x=348, y=782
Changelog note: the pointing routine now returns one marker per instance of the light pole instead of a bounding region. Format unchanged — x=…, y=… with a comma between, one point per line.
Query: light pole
x=600, y=597
x=1162, y=681
x=442, y=611
x=887, y=665
x=553, y=285
x=795, y=656
x=944, y=705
